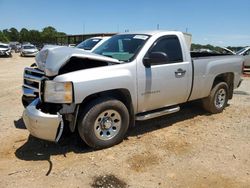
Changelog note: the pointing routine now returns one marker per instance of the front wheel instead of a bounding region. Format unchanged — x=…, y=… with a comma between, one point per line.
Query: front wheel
x=103, y=123
x=218, y=98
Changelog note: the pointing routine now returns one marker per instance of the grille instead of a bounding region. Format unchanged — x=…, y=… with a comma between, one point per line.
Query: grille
x=32, y=82
x=27, y=52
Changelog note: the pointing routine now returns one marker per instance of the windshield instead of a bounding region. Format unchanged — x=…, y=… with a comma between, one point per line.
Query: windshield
x=3, y=46
x=88, y=44
x=122, y=47
x=29, y=47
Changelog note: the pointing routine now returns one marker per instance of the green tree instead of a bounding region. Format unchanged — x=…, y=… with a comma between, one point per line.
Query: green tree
x=6, y=33
x=49, y=35
x=24, y=35
x=35, y=37
x=3, y=38
x=62, y=40
x=13, y=34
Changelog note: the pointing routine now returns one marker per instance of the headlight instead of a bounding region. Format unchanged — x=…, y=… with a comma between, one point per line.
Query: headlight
x=58, y=92
x=44, y=55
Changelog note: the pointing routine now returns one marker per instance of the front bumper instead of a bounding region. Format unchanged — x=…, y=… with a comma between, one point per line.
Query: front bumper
x=31, y=54
x=5, y=53
x=42, y=125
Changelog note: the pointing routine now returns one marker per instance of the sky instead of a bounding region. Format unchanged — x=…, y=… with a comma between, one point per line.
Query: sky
x=216, y=22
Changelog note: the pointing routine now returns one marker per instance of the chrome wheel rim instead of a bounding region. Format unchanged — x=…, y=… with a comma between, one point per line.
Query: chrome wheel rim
x=107, y=124
x=220, y=98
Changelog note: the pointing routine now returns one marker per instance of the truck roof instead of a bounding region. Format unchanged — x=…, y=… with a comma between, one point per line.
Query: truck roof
x=187, y=36
x=152, y=32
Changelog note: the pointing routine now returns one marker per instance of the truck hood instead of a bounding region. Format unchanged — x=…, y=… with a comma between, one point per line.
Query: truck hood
x=51, y=58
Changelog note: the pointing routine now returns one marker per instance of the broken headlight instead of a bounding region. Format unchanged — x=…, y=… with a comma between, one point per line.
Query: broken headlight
x=58, y=92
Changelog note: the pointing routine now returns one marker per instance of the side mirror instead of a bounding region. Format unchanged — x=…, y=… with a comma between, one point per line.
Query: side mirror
x=155, y=58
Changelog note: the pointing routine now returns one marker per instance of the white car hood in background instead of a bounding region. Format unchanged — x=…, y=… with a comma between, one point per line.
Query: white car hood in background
x=51, y=58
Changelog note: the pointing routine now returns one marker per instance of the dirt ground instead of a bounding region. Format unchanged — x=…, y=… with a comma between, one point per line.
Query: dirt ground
x=188, y=149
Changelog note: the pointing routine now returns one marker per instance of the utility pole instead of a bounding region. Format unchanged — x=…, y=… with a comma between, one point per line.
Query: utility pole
x=118, y=28
x=83, y=28
x=158, y=26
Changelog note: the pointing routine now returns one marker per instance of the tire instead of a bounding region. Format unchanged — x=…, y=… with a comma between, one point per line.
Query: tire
x=218, y=98
x=103, y=123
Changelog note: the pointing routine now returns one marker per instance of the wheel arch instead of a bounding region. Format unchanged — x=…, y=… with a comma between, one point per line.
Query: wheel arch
x=229, y=79
x=120, y=94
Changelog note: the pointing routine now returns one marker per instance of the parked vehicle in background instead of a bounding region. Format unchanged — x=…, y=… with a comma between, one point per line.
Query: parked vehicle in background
x=28, y=50
x=245, y=52
x=72, y=45
x=226, y=51
x=18, y=48
x=5, y=50
x=92, y=43
x=218, y=51
x=15, y=46
x=132, y=76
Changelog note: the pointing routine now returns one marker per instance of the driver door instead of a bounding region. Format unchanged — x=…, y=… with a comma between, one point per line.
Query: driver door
x=167, y=83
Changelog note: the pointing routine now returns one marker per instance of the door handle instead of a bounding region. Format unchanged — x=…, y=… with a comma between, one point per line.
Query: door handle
x=180, y=73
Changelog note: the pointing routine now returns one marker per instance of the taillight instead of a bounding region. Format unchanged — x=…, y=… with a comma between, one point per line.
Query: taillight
x=243, y=65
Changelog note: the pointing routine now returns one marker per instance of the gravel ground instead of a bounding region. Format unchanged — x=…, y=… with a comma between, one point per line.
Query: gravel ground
x=188, y=149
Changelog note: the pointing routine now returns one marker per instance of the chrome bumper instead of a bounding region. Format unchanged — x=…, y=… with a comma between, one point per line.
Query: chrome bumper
x=30, y=54
x=41, y=125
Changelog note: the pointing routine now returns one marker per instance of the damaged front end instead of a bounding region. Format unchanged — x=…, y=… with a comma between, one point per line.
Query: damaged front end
x=50, y=104
x=47, y=121
x=43, y=125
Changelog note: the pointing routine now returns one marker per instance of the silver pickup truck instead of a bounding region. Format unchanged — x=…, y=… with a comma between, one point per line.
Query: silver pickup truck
x=132, y=76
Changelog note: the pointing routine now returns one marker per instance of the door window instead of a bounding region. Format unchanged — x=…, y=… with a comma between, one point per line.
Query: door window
x=169, y=45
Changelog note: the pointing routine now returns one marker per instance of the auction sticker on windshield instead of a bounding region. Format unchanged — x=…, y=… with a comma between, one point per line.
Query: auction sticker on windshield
x=143, y=37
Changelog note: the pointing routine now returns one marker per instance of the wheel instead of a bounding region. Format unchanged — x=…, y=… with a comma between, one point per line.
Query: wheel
x=218, y=98
x=103, y=123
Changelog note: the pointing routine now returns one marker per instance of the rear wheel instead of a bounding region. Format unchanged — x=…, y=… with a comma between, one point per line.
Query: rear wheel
x=218, y=98
x=103, y=123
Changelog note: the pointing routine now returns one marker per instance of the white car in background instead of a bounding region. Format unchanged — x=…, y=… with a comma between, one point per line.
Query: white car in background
x=92, y=43
x=28, y=50
x=245, y=52
x=5, y=50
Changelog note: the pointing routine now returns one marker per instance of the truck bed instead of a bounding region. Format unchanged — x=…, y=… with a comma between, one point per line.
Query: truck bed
x=206, y=65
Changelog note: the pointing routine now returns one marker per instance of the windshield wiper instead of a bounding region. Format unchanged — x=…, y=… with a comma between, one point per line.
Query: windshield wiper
x=108, y=56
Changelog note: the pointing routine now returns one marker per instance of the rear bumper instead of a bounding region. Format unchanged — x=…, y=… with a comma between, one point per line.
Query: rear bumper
x=42, y=125
x=247, y=69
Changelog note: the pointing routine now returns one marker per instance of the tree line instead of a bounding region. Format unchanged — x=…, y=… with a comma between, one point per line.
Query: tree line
x=47, y=35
